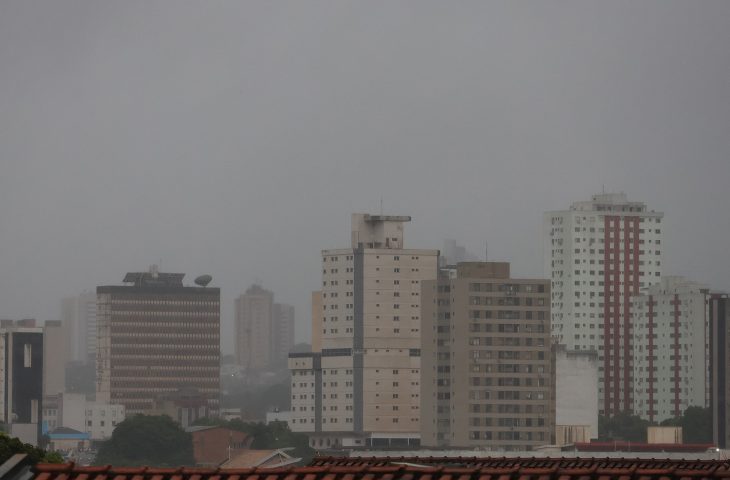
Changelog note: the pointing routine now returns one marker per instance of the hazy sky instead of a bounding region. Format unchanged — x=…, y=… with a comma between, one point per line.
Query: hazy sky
x=235, y=138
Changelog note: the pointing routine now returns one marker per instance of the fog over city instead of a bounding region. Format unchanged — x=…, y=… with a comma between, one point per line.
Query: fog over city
x=236, y=138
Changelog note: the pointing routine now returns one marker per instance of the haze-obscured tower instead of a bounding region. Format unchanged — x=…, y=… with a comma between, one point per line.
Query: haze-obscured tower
x=487, y=378
x=157, y=337
x=363, y=389
x=597, y=255
x=253, y=327
x=79, y=322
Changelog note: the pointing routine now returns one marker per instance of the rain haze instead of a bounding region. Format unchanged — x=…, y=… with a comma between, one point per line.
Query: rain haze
x=236, y=138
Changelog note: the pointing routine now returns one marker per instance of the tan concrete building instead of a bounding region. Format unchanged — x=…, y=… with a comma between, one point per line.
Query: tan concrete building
x=157, y=337
x=488, y=372
x=362, y=388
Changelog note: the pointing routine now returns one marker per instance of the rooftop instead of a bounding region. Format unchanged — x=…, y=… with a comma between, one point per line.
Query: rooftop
x=415, y=468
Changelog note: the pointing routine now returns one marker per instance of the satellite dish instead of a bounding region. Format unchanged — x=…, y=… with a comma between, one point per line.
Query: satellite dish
x=203, y=280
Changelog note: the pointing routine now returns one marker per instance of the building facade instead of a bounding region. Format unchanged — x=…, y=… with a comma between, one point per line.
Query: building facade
x=55, y=357
x=21, y=384
x=362, y=388
x=157, y=337
x=264, y=330
x=670, y=348
x=576, y=396
x=719, y=308
x=282, y=333
x=79, y=321
x=75, y=411
x=598, y=254
x=487, y=376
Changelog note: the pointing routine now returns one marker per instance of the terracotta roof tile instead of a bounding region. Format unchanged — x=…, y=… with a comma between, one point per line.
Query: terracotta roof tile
x=417, y=468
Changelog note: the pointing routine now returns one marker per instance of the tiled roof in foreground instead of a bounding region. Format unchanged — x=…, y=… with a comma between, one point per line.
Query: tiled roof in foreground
x=447, y=468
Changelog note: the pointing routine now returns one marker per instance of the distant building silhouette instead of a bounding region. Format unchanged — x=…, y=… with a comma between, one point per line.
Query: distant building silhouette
x=264, y=330
x=79, y=322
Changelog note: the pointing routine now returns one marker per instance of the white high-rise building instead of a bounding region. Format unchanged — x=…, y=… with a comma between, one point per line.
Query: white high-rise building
x=670, y=342
x=363, y=388
x=599, y=253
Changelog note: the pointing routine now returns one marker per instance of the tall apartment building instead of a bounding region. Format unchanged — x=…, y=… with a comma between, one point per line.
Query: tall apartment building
x=21, y=378
x=157, y=337
x=79, y=321
x=253, y=328
x=362, y=388
x=487, y=377
x=719, y=311
x=598, y=254
x=670, y=348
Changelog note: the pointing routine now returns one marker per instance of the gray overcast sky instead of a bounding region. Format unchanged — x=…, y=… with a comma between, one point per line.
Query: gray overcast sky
x=235, y=138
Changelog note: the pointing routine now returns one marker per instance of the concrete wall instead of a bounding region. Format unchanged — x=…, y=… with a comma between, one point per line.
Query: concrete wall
x=576, y=396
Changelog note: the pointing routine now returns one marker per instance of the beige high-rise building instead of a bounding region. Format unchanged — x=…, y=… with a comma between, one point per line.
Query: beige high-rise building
x=253, y=328
x=157, y=337
x=363, y=387
x=488, y=376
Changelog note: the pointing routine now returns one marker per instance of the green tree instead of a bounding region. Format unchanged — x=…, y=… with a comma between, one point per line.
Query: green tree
x=696, y=423
x=623, y=427
x=147, y=440
x=9, y=446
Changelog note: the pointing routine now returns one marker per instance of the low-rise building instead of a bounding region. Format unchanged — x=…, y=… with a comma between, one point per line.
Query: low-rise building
x=214, y=445
x=74, y=411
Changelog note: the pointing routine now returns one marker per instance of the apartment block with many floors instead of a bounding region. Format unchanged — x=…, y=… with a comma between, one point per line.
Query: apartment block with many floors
x=670, y=344
x=488, y=376
x=157, y=337
x=362, y=388
x=598, y=254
